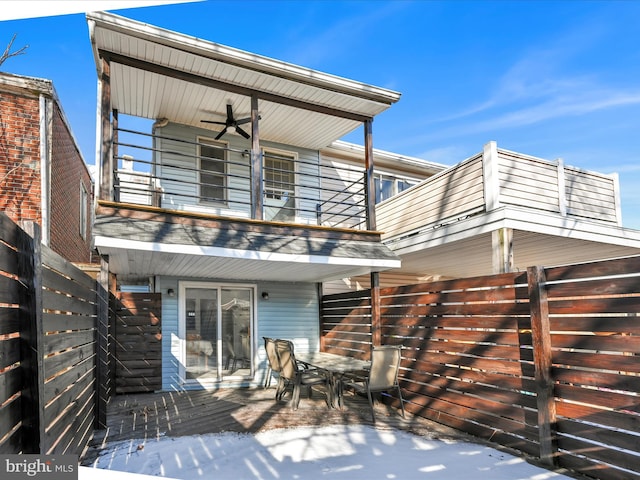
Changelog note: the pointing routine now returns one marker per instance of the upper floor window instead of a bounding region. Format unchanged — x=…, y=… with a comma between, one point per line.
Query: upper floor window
x=279, y=185
x=279, y=175
x=388, y=185
x=212, y=170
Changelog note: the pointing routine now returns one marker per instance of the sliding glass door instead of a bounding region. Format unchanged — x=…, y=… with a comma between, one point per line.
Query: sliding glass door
x=216, y=325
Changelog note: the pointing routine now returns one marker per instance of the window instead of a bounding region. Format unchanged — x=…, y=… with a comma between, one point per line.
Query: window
x=384, y=187
x=279, y=186
x=387, y=186
x=84, y=211
x=279, y=176
x=212, y=170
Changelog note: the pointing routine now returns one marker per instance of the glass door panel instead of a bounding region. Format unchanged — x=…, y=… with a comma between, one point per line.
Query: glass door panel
x=236, y=330
x=201, y=319
x=217, y=325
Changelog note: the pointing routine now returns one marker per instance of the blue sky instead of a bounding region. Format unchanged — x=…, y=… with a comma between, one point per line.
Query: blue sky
x=554, y=79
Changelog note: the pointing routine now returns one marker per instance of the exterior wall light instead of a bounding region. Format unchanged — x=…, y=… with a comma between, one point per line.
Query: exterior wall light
x=171, y=292
x=265, y=295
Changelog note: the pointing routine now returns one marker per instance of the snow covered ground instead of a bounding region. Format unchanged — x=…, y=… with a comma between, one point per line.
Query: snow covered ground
x=334, y=452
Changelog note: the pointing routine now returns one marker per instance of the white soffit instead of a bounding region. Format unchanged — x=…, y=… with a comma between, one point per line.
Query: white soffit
x=127, y=257
x=203, y=65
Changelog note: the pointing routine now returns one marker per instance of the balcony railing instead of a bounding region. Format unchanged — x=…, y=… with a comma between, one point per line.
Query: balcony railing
x=198, y=176
x=500, y=178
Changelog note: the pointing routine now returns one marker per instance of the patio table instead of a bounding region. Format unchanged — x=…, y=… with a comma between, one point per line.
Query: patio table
x=337, y=366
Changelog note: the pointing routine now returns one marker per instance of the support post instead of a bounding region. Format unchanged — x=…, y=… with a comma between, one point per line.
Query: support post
x=562, y=188
x=502, y=248
x=376, y=336
x=103, y=357
x=32, y=339
x=106, y=157
x=491, y=181
x=256, y=163
x=541, y=335
x=369, y=185
x=320, y=293
x=115, y=174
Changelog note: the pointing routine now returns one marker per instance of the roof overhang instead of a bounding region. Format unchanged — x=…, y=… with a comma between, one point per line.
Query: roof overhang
x=465, y=248
x=187, y=79
x=384, y=159
x=148, y=243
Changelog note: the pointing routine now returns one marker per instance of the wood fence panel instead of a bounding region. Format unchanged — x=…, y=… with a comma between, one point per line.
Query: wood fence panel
x=11, y=377
x=346, y=324
x=469, y=358
x=47, y=346
x=69, y=347
x=594, y=310
x=138, y=338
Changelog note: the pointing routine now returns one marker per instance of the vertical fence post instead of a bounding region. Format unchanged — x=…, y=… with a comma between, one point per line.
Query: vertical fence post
x=321, y=316
x=103, y=356
x=31, y=339
x=376, y=337
x=541, y=335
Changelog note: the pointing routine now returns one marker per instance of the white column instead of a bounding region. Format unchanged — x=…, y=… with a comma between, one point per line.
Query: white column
x=502, y=250
x=562, y=190
x=490, y=168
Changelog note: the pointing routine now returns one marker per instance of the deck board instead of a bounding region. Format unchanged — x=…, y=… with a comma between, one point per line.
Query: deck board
x=148, y=416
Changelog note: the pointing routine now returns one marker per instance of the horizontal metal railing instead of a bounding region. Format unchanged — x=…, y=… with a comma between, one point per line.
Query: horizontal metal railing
x=165, y=171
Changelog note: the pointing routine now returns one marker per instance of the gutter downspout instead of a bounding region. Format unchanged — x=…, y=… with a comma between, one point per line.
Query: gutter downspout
x=46, y=132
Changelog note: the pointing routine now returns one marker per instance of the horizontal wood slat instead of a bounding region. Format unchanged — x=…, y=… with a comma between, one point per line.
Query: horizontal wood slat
x=468, y=358
x=138, y=339
x=47, y=338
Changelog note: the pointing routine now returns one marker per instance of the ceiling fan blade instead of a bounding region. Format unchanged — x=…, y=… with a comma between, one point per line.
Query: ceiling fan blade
x=243, y=121
x=242, y=132
x=224, y=130
x=214, y=122
x=229, y=113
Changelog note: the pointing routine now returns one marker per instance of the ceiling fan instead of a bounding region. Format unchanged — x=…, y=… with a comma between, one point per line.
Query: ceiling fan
x=230, y=124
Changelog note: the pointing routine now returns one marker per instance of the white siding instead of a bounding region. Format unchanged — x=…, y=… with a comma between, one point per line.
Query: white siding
x=456, y=192
x=528, y=182
x=180, y=184
x=591, y=195
x=338, y=176
x=290, y=312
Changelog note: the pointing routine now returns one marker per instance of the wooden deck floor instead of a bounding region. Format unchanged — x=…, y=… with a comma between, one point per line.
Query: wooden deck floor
x=149, y=416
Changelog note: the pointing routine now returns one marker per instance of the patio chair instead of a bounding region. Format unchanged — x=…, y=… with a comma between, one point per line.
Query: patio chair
x=273, y=363
x=292, y=376
x=383, y=375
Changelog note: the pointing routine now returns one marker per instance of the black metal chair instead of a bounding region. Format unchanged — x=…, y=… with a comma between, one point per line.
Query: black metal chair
x=292, y=376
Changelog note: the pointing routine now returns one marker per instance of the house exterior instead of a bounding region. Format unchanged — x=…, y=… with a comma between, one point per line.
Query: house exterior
x=224, y=189
x=43, y=177
x=212, y=194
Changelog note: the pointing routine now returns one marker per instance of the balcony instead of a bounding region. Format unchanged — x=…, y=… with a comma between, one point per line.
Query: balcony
x=174, y=174
x=497, y=179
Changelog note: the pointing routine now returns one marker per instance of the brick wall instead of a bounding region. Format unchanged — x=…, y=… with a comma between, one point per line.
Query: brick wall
x=20, y=171
x=20, y=188
x=68, y=172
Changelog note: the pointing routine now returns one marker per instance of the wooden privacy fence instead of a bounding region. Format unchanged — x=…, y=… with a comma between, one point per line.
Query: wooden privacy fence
x=138, y=342
x=54, y=381
x=545, y=362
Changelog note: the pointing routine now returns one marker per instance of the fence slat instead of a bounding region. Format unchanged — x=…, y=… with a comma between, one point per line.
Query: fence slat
x=32, y=339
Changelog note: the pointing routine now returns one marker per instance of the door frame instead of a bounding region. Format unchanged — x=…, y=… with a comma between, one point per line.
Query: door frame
x=183, y=285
